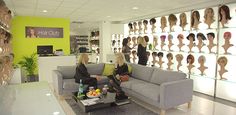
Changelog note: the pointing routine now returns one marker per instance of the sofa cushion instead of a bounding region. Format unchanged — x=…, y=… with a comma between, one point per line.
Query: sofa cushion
x=95, y=69
x=148, y=90
x=70, y=84
x=108, y=69
x=128, y=84
x=68, y=72
x=160, y=76
x=141, y=72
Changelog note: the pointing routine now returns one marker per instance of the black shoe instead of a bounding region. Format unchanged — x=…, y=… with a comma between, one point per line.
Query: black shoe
x=121, y=97
x=111, y=90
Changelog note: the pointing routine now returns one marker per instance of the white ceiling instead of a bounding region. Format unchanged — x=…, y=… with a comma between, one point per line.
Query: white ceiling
x=91, y=12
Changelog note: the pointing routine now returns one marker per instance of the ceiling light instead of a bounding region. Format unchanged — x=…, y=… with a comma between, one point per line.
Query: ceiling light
x=56, y=113
x=48, y=94
x=108, y=16
x=135, y=8
x=45, y=11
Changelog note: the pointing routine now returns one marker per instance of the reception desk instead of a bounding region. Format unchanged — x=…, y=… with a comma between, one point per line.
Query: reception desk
x=47, y=64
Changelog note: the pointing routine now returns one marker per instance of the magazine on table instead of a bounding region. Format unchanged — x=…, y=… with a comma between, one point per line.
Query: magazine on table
x=88, y=102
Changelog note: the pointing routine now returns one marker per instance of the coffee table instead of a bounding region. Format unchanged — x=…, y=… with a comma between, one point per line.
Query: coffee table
x=90, y=104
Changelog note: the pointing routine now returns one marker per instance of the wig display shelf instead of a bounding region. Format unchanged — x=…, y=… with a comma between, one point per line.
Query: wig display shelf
x=226, y=90
x=203, y=85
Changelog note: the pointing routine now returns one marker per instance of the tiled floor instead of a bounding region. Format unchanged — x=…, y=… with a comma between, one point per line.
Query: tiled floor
x=29, y=99
x=201, y=105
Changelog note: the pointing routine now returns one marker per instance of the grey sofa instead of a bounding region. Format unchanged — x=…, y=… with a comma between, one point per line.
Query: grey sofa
x=64, y=82
x=161, y=88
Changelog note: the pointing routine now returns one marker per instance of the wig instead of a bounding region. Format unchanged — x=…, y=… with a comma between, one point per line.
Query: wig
x=180, y=36
x=226, y=10
x=140, y=23
x=163, y=21
x=145, y=22
x=148, y=53
x=163, y=37
x=191, y=35
x=160, y=54
x=192, y=17
x=169, y=55
x=172, y=18
x=211, y=34
x=201, y=35
x=183, y=19
x=130, y=25
x=227, y=35
x=191, y=58
x=222, y=60
x=134, y=52
x=170, y=36
x=135, y=23
x=154, y=53
x=152, y=21
x=146, y=38
x=202, y=58
x=205, y=13
x=179, y=56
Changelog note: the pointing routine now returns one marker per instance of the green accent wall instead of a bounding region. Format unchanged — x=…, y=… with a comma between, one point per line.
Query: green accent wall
x=23, y=46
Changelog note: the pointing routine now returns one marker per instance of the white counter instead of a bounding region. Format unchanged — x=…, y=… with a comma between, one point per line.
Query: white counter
x=47, y=64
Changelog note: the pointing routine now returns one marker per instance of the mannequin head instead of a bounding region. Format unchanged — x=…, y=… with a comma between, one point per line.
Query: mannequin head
x=152, y=21
x=201, y=36
x=145, y=22
x=154, y=54
x=190, y=59
x=134, y=53
x=183, y=19
x=227, y=35
x=113, y=42
x=163, y=21
x=146, y=38
x=148, y=53
x=210, y=36
x=201, y=59
x=224, y=11
x=130, y=26
x=129, y=39
x=160, y=54
x=170, y=37
x=134, y=24
x=195, y=17
x=163, y=38
x=180, y=36
x=209, y=14
x=140, y=23
x=179, y=57
x=172, y=19
x=191, y=36
x=222, y=61
x=134, y=39
x=169, y=56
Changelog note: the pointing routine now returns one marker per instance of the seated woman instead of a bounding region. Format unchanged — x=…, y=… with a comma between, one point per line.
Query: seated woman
x=120, y=74
x=82, y=72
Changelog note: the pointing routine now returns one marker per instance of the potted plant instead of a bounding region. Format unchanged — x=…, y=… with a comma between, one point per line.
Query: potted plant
x=28, y=63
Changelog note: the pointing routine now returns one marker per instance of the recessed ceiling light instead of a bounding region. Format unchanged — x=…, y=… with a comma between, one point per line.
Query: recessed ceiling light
x=45, y=11
x=108, y=16
x=135, y=8
x=48, y=94
x=56, y=113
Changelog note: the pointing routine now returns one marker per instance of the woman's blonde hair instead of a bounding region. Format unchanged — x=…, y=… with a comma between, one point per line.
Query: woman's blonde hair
x=82, y=58
x=120, y=58
x=142, y=41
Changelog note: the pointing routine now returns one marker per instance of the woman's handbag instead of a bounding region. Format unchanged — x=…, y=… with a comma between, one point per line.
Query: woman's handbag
x=124, y=78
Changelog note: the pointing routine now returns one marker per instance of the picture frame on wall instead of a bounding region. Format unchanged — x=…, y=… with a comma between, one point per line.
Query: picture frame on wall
x=43, y=32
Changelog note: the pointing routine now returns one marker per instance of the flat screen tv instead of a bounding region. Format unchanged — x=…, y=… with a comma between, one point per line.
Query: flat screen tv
x=45, y=50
